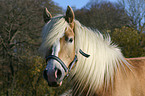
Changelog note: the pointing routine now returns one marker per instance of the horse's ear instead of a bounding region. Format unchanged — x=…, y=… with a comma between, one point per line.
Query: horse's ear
x=69, y=15
x=46, y=15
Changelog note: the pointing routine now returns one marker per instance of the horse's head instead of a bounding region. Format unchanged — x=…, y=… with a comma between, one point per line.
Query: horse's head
x=61, y=56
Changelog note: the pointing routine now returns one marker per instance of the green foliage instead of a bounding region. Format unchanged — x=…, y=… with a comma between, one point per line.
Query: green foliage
x=129, y=41
x=29, y=81
x=31, y=78
x=21, y=68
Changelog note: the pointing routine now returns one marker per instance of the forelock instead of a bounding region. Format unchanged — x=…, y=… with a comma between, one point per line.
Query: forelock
x=52, y=32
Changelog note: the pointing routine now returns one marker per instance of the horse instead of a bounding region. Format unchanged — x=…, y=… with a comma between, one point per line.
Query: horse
x=93, y=62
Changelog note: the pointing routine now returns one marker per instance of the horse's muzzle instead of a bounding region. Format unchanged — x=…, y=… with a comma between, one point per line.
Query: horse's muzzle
x=52, y=77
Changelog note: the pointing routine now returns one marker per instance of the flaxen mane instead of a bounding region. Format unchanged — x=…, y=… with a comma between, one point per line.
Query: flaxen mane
x=98, y=70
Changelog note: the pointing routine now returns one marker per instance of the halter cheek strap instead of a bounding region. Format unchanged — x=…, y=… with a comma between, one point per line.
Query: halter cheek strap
x=84, y=54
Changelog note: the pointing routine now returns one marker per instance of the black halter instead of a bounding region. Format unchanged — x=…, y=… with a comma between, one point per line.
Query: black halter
x=62, y=63
x=66, y=69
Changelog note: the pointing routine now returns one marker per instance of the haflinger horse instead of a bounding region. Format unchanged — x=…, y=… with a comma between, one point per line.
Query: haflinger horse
x=95, y=64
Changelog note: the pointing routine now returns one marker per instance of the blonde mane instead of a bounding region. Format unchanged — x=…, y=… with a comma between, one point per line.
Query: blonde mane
x=96, y=71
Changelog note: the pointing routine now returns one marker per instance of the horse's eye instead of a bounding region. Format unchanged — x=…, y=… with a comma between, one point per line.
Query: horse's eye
x=70, y=40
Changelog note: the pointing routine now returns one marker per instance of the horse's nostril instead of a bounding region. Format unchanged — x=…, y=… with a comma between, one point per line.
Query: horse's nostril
x=59, y=74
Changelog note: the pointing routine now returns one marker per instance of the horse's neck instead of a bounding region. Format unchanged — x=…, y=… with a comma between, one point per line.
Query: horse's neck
x=121, y=78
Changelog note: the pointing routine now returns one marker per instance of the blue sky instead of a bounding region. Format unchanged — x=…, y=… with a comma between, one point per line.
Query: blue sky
x=77, y=3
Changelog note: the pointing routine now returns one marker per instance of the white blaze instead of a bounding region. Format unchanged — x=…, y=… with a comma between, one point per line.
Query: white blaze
x=56, y=48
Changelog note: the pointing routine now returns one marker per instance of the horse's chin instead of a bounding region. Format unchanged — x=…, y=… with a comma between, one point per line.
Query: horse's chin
x=54, y=84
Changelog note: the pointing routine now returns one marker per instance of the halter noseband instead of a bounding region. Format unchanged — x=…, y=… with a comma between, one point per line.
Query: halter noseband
x=66, y=69
x=62, y=63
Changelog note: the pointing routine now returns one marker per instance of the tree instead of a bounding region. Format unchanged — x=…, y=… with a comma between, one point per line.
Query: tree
x=136, y=10
x=21, y=25
x=128, y=40
x=115, y=19
x=102, y=15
